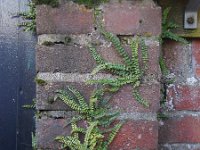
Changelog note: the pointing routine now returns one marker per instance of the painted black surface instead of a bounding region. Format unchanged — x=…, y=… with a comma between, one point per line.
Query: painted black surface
x=17, y=71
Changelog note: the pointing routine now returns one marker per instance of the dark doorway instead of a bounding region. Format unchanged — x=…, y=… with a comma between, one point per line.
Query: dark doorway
x=17, y=71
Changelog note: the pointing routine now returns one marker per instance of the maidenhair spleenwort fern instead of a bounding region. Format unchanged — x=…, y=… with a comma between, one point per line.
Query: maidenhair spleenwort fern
x=128, y=73
x=98, y=117
x=29, y=16
x=167, y=28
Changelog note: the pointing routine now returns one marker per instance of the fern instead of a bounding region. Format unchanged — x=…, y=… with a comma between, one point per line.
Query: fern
x=95, y=114
x=34, y=141
x=29, y=24
x=128, y=73
x=53, y=3
x=167, y=28
x=30, y=106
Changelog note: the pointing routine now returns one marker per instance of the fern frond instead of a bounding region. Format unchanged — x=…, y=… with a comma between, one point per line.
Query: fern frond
x=117, y=82
x=95, y=140
x=165, y=15
x=80, y=98
x=71, y=142
x=172, y=25
x=135, y=57
x=114, y=133
x=138, y=98
x=89, y=132
x=163, y=67
x=29, y=24
x=144, y=55
x=168, y=26
x=70, y=102
x=117, y=44
x=78, y=130
x=75, y=119
x=173, y=36
x=92, y=105
x=110, y=67
x=74, y=129
x=96, y=56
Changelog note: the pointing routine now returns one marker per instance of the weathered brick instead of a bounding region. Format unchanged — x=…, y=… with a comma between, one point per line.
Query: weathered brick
x=180, y=130
x=178, y=58
x=123, y=100
x=180, y=146
x=47, y=129
x=197, y=71
x=196, y=51
x=68, y=18
x=133, y=18
x=126, y=103
x=136, y=134
x=196, y=56
x=45, y=95
x=61, y=58
x=184, y=97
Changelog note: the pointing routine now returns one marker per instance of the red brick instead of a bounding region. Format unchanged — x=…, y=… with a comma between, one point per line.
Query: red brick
x=133, y=18
x=184, y=97
x=180, y=130
x=136, y=134
x=69, y=18
x=45, y=95
x=197, y=71
x=47, y=129
x=62, y=58
x=178, y=59
x=125, y=102
x=196, y=50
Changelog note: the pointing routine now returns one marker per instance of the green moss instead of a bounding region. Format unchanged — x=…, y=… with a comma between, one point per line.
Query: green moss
x=40, y=82
x=67, y=40
x=53, y=3
x=38, y=115
x=48, y=43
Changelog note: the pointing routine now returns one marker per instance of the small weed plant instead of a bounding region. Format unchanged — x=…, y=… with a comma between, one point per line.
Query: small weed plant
x=29, y=23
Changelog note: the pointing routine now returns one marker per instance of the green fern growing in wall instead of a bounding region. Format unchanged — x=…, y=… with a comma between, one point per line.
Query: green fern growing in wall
x=53, y=3
x=96, y=114
x=34, y=141
x=128, y=73
x=29, y=16
x=167, y=28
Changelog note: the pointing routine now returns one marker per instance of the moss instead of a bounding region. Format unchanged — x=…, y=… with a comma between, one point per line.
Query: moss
x=40, y=82
x=48, y=43
x=38, y=115
x=67, y=40
x=53, y=3
x=30, y=106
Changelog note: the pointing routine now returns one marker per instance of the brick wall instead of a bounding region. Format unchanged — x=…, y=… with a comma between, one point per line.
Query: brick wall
x=63, y=64
x=182, y=130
